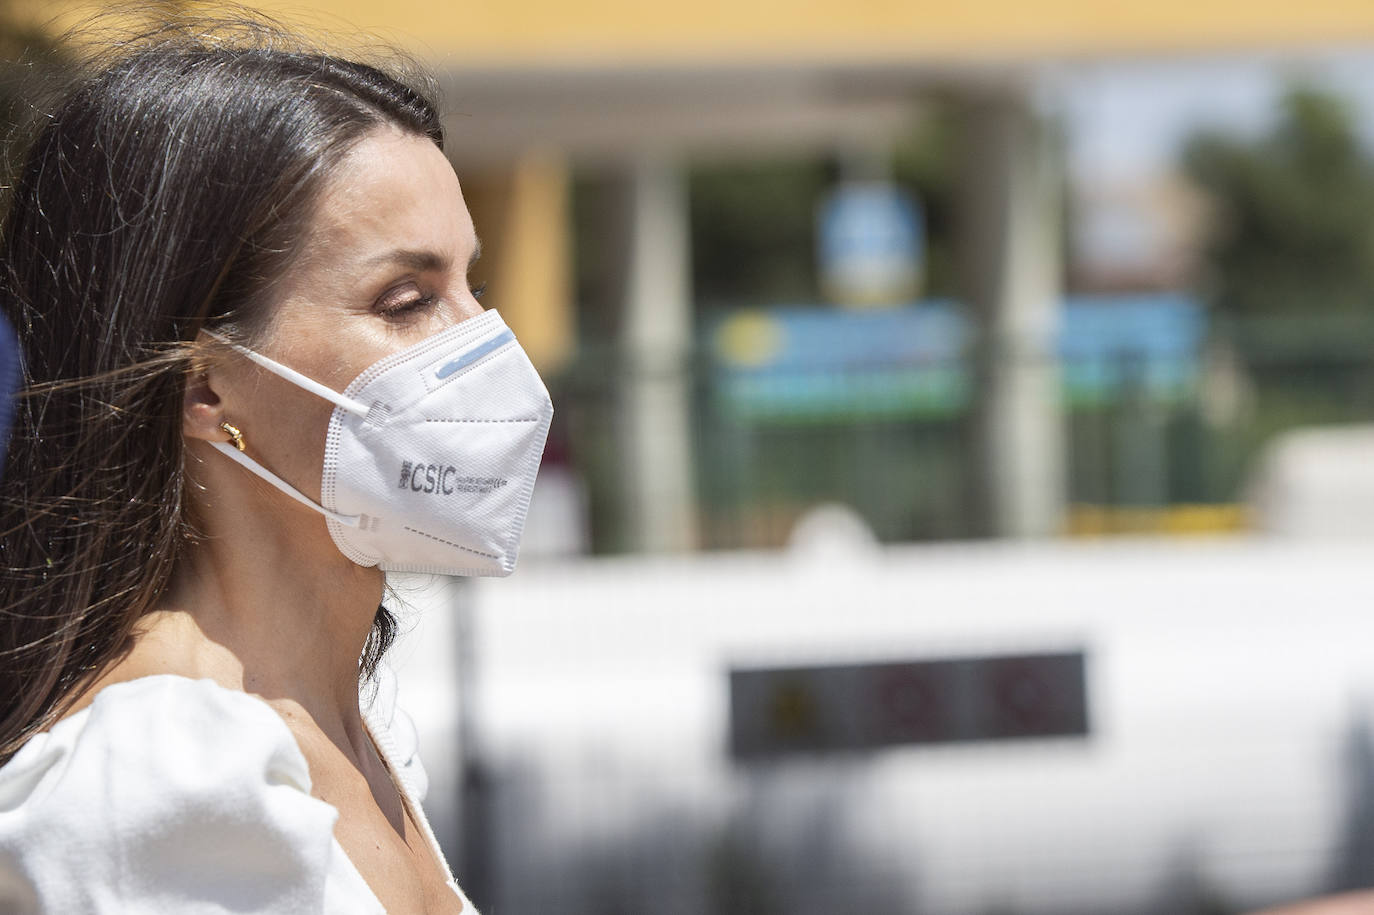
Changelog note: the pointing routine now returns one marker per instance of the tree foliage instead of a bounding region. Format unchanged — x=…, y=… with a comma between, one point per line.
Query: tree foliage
x=753, y=230
x=1295, y=212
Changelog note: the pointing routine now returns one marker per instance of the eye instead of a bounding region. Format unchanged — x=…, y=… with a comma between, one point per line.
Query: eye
x=403, y=300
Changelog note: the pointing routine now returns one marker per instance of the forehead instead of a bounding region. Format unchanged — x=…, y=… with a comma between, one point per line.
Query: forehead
x=392, y=190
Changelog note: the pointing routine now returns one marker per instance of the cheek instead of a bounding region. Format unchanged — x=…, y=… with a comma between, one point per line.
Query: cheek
x=286, y=427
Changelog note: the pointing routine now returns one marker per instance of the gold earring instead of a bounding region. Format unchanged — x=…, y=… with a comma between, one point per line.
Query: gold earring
x=234, y=434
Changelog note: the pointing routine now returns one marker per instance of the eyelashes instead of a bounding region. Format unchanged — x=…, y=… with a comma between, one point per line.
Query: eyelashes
x=395, y=306
x=400, y=307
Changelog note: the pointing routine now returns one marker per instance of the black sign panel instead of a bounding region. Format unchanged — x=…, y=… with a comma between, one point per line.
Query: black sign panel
x=855, y=707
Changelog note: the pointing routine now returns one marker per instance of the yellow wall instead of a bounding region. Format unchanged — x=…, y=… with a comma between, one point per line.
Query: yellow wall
x=533, y=32
x=535, y=274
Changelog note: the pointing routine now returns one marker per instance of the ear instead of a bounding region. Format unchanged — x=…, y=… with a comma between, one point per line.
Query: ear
x=202, y=409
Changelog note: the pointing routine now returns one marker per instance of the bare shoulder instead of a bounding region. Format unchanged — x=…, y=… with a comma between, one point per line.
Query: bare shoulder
x=163, y=643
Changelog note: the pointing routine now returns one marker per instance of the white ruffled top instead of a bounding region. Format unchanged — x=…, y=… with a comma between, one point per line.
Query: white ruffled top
x=172, y=795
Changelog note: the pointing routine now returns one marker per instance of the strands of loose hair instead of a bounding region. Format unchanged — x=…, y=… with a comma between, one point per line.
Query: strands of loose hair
x=165, y=191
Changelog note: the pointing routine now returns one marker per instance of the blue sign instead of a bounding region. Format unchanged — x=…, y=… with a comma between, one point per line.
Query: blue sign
x=815, y=364
x=820, y=364
x=870, y=244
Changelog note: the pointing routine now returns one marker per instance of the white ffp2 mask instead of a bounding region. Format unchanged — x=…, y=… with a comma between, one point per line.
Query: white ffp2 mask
x=431, y=453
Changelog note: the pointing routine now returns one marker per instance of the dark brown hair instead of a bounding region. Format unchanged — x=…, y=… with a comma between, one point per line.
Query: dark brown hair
x=165, y=192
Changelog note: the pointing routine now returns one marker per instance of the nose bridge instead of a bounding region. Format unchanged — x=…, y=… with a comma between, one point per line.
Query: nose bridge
x=469, y=306
x=462, y=306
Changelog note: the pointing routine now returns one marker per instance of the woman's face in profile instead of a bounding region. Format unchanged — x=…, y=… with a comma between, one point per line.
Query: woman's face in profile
x=385, y=264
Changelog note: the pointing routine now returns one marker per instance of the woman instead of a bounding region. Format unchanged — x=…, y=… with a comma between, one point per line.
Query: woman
x=234, y=263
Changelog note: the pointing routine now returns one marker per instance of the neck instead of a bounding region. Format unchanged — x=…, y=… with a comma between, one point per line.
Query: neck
x=265, y=602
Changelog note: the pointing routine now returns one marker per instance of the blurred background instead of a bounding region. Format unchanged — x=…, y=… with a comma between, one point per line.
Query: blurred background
x=960, y=489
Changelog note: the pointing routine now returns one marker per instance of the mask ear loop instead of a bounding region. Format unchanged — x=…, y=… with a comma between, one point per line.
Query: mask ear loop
x=314, y=387
x=262, y=472
x=301, y=381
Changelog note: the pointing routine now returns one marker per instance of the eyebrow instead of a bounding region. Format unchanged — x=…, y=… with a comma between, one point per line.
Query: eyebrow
x=422, y=259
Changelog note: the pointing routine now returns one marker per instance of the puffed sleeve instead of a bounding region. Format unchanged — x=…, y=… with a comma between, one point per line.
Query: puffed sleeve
x=169, y=795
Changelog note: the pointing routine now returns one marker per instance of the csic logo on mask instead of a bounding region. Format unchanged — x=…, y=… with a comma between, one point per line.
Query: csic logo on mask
x=443, y=479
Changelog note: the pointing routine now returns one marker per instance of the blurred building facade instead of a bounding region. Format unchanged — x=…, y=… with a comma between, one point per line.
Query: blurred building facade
x=581, y=133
